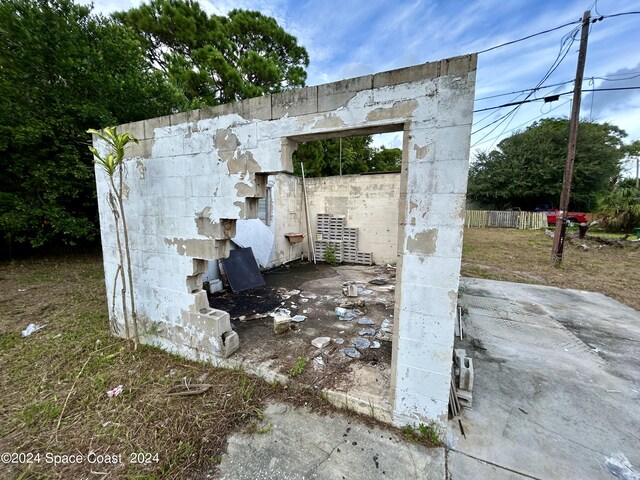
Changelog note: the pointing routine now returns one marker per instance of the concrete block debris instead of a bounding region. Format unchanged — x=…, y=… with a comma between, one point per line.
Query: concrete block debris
x=464, y=372
x=281, y=324
x=335, y=239
x=321, y=342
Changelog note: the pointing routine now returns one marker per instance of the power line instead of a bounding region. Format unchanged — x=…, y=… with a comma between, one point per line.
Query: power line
x=550, y=98
x=530, y=120
x=562, y=53
x=528, y=37
x=590, y=77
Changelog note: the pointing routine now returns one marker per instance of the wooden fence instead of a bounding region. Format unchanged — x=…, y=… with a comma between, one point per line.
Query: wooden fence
x=507, y=219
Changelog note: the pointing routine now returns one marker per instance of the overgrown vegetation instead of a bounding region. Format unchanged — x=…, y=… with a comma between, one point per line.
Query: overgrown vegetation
x=429, y=434
x=298, y=367
x=54, y=382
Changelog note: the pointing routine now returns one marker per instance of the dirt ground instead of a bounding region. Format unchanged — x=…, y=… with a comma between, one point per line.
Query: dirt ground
x=314, y=292
x=524, y=256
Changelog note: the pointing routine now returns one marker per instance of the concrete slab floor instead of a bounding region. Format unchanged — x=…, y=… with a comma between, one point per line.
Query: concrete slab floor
x=300, y=445
x=315, y=291
x=557, y=384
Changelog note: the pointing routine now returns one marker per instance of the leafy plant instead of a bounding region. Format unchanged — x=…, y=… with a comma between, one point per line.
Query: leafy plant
x=299, y=367
x=620, y=208
x=330, y=255
x=112, y=162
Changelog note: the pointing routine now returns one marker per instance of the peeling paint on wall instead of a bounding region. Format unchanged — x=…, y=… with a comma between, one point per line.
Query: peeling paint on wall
x=194, y=174
x=423, y=242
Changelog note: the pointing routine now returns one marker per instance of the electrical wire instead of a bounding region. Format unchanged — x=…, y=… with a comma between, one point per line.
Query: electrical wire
x=528, y=37
x=531, y=120
x=565, y=46
x=521, y=102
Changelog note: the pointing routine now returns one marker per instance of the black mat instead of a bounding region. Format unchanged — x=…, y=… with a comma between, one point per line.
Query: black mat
x=242, y=270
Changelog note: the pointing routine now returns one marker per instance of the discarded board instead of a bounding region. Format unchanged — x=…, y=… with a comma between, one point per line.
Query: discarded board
x=242, y=270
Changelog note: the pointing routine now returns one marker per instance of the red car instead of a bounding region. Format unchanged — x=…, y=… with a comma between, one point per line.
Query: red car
x=572, y=217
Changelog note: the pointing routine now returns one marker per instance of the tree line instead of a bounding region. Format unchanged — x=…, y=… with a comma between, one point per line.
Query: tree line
x=525, y=171
x=64, y=69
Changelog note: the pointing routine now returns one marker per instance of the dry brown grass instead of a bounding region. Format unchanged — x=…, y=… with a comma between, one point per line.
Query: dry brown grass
x=524, y=256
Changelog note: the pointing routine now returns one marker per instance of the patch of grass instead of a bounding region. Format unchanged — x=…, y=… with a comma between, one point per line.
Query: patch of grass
x=427, y=434
x=524, y=256
x=298, y=368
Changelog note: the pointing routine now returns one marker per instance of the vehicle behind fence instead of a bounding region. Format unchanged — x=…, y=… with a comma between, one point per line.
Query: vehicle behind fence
x=506, y=219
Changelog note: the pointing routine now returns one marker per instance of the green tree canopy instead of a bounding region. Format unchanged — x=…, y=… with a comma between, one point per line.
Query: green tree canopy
x=63, y=70
x=323, y=158
x=217, y=59
x=526, y=169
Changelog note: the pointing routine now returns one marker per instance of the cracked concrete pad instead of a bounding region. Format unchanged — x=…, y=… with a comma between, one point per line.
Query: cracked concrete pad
x=303, y=445
x=461, y=467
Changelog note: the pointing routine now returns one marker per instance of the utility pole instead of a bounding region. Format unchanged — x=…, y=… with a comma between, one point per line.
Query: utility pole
x=561, y=221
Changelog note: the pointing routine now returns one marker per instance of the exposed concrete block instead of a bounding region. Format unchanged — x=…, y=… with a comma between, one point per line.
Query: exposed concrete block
x=281, y=324
x=134, y=128
x=151, y=124
x=192, y=116
x=465, y=366
x=332, y=96
x=459, y=65
x=407, y=74
x=254, y=108
x=213, y=323
x=230, y=343
x=140, y=149
x=294, y=102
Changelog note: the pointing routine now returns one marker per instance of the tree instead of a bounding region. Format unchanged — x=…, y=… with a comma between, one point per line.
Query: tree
x=63, y=70
x=386, y=160
x=331, y=157
x=217, y=59
x=526, y=169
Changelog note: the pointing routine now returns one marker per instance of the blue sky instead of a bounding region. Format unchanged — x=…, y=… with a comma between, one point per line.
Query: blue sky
x=356, y=37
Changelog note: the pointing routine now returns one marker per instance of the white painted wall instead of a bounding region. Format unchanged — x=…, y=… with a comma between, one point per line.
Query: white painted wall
x=195, y=174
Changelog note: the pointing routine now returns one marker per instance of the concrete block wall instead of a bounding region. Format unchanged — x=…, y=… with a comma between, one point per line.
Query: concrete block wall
x=194, y=173
x=369, y=203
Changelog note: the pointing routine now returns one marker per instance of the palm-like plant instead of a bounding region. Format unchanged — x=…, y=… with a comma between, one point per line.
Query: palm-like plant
x=620, y=208
x=112, y=163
